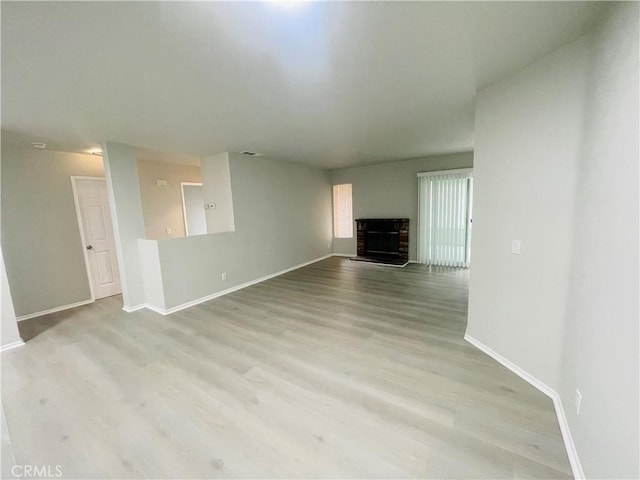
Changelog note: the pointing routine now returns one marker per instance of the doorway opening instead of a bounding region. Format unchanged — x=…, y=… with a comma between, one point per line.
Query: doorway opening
x=195, y=222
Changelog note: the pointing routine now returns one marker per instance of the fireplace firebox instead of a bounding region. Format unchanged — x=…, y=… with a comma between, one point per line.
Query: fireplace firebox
x=383, y=240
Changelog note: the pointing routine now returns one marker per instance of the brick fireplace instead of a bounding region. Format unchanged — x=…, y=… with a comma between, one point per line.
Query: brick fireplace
x=383, y=240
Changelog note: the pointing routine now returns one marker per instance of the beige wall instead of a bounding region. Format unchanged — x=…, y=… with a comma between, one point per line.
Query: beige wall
x=162, y=206
x=40, y=234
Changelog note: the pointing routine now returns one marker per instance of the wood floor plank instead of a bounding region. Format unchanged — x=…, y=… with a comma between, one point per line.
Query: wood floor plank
x=336, y=370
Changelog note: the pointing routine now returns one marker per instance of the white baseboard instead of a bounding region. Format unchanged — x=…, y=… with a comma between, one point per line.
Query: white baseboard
x=569, y=445
x=53, y=310
x=197, y=301
x=159, y=310
x=11, y=346
x=543, y=387
x=134, y=308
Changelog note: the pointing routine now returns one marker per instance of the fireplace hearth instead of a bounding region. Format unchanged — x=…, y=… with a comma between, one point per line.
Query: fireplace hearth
x=383, y=240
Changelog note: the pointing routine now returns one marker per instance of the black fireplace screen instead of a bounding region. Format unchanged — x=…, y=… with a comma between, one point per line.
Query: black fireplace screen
x=385, y=243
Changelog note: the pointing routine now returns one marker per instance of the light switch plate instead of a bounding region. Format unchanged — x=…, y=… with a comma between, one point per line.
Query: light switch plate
x=515, y=247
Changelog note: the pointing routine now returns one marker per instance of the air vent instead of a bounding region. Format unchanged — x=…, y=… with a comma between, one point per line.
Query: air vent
x=39, y=145
x=251, y=154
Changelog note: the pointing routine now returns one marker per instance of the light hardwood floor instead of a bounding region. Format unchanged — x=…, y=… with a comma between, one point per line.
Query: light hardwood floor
x=336, y=370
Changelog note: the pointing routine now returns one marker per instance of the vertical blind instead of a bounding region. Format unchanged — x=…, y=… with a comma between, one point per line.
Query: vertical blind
x=342, y=211
x=444, y=217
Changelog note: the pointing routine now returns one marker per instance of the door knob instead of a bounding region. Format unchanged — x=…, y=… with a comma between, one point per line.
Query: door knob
x=89, y=247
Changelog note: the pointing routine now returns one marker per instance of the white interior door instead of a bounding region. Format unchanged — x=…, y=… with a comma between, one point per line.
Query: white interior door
x=97, y=236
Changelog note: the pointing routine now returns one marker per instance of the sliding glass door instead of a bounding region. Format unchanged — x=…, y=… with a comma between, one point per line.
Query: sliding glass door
x=444, y=223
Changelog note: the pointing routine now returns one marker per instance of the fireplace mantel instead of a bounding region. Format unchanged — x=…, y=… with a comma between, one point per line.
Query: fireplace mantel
x=383, y=240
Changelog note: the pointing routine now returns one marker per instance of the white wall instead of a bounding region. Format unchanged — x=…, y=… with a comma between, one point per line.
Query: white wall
x=40, y=235
x=556, y=165
x=151, y=273
x=282, y=219
x=9, y=334
x=601, y=343
x=390, y=190
x=121, y=172
x=527, y=148
x=216, y=189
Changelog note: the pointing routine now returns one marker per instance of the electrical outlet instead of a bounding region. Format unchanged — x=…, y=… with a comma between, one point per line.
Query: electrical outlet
x=578, y=401
x=223, y=275
x=168, y=230
x=329, y=245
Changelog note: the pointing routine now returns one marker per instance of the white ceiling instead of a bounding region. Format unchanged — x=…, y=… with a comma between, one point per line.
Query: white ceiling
x=328, y=84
